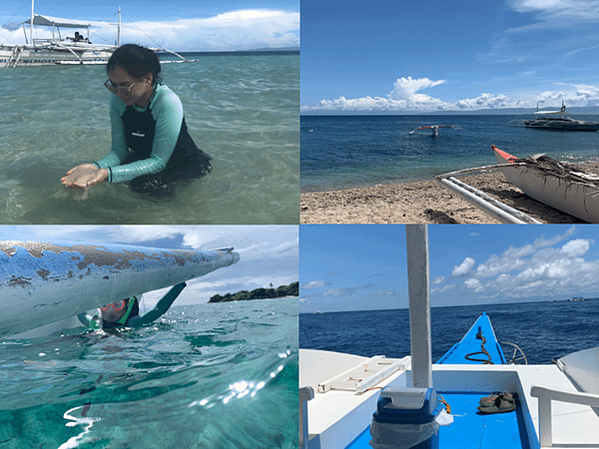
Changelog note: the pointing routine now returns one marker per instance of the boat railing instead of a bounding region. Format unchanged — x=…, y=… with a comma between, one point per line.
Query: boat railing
x=545, y=395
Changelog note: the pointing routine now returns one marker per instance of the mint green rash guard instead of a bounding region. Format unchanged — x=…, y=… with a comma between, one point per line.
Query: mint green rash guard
x=152, y=140
x=135, y=321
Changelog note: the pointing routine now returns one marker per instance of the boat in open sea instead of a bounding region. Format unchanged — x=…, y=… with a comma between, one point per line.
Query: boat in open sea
x=560, y=121
x=347, y=400
x=434, y=129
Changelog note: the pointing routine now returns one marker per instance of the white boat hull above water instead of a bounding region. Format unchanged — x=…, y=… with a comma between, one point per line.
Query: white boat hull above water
x=41, y=283
x=575, y=198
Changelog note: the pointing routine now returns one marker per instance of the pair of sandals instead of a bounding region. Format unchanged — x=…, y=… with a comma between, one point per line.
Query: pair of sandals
x=497, y=402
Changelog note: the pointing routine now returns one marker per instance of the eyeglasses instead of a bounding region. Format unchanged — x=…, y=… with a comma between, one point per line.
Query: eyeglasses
x=115, y=90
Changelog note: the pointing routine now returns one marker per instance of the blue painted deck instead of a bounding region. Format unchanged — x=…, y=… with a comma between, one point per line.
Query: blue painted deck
x=470, y=344
x=471, y=430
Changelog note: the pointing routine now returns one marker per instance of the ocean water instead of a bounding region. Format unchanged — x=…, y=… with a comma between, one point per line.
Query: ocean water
x=242, y=109
x=218, y=376
x=357, y=151
x=543, y=330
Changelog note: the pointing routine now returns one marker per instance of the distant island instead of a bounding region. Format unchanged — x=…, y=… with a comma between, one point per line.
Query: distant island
x=259, y=293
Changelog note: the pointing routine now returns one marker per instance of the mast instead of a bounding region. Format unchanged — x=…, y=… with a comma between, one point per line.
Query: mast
x=31, y=27
x=118, y=39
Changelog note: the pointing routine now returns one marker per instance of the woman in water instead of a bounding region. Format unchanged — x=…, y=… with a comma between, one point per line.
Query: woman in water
x=125, y=313
x=151, y=148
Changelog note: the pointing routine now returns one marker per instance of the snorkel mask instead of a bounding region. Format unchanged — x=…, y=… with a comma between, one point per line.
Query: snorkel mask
x=117, y=314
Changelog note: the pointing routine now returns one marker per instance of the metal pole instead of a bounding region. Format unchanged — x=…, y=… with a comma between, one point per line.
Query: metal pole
x=420, y=312
x=31, y=26
x=118, y=39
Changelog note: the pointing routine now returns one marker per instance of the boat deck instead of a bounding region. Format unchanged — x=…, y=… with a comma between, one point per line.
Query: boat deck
x=337, y=419
x=470, y=429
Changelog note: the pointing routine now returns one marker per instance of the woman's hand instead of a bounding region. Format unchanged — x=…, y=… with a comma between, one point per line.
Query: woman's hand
x=84, y=175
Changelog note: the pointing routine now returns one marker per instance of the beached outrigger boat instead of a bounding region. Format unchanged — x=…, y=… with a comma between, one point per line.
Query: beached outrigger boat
x=339, y=393
x=553, y=183
x=435, y=129
x=544, y=179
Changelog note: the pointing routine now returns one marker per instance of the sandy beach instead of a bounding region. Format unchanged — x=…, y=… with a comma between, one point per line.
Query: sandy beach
x=423, y=202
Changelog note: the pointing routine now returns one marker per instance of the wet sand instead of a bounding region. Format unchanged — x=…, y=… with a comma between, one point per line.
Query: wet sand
x=422, y=202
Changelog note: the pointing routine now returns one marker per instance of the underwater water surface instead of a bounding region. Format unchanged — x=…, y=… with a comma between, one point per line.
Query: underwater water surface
x=205, y=376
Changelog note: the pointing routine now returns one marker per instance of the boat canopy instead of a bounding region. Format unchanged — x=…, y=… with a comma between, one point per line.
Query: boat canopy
x=48, y=21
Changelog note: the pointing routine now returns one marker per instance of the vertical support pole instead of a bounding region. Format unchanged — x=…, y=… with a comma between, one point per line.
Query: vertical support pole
x=31, y=25
x=118, y=38
x=420, y=312
x=545, y=437
x=305, y=394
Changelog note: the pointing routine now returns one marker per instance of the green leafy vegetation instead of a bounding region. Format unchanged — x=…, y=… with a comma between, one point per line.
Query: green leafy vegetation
x=260, y=293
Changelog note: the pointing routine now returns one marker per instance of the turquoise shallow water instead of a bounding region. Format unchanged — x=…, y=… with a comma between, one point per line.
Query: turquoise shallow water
x=206, y=376
x=243, y=110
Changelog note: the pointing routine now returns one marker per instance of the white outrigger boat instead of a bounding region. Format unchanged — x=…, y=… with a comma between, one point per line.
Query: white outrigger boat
x=45, y=284
x=434, y=129
x=559, y=121
x=343, y=396
x=59, y=49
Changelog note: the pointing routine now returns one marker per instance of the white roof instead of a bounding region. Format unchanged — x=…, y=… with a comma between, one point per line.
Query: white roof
x=66, y=23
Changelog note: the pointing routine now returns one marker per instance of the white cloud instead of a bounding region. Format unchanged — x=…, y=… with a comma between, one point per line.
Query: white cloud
x=576, y=247
x=464, y=268
x=488, y=101
x=548, y=267
x=444, y=289
x=474, y=285
x=558, y=9
x=405, y=96
x=347, y=290
x=314, y=284
x=515, y=258
x=439, y=280
x=406, y=88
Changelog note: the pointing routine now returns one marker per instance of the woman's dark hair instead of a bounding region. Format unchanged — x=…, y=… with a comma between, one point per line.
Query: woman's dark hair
x=136, y=60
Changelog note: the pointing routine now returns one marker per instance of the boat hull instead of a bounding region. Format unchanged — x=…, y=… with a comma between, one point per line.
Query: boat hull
x=577, y=199
x=51, y=56
x=41, y=283
x=562, y=125
x=468, y=350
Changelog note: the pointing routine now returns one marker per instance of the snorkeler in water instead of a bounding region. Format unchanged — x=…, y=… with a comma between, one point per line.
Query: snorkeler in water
x=151, y=147
x=125, y=313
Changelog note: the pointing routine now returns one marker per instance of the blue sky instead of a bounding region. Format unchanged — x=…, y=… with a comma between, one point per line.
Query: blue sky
x=361, y=267
x=384, y=56
x=268, y=254
x=179, y=25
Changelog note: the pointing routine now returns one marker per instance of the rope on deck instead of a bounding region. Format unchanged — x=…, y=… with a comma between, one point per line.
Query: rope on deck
x=483, y=351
